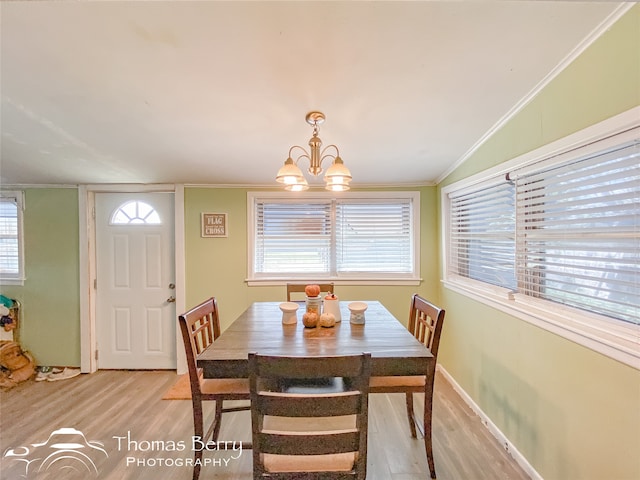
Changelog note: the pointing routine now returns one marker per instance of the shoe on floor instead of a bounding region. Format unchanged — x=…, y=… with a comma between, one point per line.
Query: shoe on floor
x=63, y=375
x=45, y=372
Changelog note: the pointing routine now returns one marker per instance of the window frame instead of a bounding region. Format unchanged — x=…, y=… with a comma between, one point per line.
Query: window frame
x=616, y=339
x=412, y=278
x=19, y=278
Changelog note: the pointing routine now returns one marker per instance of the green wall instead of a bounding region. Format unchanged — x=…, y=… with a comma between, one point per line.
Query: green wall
x=218, y=266
x=573, y=413
x=50, y=297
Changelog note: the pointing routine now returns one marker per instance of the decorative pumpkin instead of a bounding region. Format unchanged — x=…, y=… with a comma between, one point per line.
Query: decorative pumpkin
x=312, y=290
x=310, y=319
x=327, y=320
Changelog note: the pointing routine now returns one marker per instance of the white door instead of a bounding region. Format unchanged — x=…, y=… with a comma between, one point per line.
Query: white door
x=135, y=309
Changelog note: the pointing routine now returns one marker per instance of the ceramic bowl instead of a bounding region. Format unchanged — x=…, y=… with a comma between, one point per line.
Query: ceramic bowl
x=289, y=312
x=289, y=306
x=357, y=312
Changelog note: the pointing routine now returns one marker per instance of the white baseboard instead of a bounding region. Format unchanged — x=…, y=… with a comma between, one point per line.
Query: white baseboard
x=495, y=431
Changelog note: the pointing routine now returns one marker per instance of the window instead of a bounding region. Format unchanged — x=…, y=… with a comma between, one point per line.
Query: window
x=135, y=213
x=358, y=236
x=483, y=234
x=292, y=238
x=555, y=238
x=579, y=232
x=11, y=253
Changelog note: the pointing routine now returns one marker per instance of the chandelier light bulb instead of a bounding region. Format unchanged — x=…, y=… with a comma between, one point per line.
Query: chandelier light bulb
x=337, y=187
x=298, y=187
x=289, y=173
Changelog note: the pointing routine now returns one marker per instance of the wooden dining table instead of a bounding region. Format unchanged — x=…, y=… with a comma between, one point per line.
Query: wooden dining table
x=394, y=351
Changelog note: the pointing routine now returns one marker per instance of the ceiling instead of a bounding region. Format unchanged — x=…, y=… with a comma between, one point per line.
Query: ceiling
x=209, y=92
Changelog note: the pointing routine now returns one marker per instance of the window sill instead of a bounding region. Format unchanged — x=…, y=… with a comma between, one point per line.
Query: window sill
x=268, y=282
x=614, y=339
x=12, y=281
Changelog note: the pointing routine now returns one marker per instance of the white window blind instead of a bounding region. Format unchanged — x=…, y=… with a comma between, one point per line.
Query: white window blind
x=10, y=233
x=578, y=237
x=293, y=237
x=374, y=237
x=482, y=233
x=352, y=237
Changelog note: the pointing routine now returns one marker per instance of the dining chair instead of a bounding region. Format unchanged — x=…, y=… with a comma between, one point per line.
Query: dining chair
x=200, y=326
x=299, y=288
x=425, y=323
x=312, y=435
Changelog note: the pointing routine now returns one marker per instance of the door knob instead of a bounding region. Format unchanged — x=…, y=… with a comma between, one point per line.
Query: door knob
x=172, y=286
x=171, y=299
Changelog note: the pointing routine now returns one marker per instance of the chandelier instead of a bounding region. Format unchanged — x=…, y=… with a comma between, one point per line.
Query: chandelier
x=337, y=177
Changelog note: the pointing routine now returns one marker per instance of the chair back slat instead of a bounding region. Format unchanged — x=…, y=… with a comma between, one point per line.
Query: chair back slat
x=425, y=322
x=202, y=333
x=308, y=443
x=303, y=405
x=308, y=367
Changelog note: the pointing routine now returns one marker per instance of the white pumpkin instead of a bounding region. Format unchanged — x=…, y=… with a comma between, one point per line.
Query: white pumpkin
x=327, y=320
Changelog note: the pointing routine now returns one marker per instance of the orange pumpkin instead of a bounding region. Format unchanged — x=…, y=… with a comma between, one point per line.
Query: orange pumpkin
x=310, y=319
x=312, y=290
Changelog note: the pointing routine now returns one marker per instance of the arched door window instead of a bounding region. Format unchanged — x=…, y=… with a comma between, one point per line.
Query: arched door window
x=135, y=212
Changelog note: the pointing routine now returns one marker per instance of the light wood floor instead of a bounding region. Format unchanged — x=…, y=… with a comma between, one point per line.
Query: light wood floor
x=111, y=404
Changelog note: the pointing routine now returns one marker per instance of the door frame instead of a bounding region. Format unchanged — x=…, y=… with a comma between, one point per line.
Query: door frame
x=86, y=204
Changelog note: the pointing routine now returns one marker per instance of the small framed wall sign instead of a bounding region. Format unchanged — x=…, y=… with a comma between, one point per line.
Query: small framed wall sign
x=214, y=225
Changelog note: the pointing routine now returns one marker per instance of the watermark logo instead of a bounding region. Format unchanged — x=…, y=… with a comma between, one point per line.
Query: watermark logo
x=161, y=453
x=68, y=454
x=66, y=451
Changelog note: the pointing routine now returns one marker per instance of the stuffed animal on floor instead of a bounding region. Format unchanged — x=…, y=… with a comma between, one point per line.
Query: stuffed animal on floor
x=17, y=365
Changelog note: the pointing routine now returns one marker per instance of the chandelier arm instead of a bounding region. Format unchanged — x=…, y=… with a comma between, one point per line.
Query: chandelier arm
x=331, y=146
x=305, y=154
x=324, y=155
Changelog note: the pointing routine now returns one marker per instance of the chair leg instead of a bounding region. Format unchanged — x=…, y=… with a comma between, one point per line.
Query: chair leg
x=428, y=404
x=217, y=422
x=196, y=465
x=198, y=428
x=212, y=432
x=410, y=414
